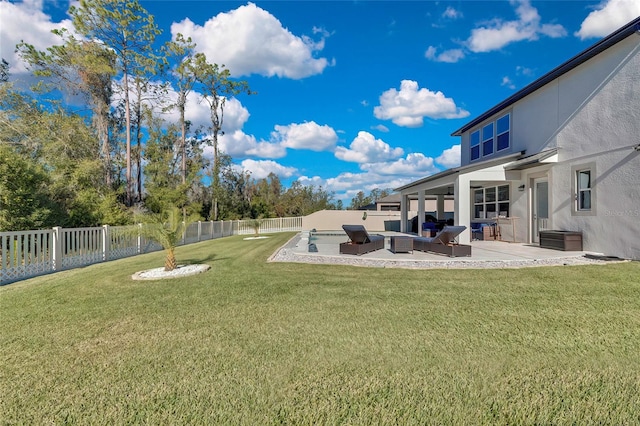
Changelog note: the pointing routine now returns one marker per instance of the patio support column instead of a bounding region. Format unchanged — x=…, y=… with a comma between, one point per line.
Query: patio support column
x=421, y=202
x=462, y=207
x=440, y=207
x=404, y=216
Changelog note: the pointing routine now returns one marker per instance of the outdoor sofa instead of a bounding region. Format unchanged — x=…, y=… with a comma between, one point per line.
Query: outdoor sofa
x=444, y=243
x=360, y=242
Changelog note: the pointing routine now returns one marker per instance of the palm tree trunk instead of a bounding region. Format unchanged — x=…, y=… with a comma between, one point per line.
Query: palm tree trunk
x=170, y=262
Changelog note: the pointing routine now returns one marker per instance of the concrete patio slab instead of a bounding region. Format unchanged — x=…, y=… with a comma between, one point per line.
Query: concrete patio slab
x=485, y=254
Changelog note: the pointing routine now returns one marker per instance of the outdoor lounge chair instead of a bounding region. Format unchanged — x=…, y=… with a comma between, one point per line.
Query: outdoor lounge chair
x=444, y=243
x=360, y=242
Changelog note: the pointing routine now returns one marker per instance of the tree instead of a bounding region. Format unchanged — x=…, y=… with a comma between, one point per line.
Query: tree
x=24, y=200
x=233, y=198
x=167, y=229
x=4, y=71
x=146, y=97
x=216, y=84
x=126, y=28
x=265, y=197
x=46, y=140
x=377, y=193
x=360, y=200
x=183, y=78
x=300, y=200
x=164, y=187
x=82, y=67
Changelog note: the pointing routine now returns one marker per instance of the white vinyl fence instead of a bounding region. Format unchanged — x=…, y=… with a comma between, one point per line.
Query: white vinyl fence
x=25, y=254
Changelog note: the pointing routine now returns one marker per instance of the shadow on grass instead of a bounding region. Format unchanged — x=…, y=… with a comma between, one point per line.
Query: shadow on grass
x=211, y=257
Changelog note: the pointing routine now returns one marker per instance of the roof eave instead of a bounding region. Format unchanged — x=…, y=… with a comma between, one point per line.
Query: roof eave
x=631, y=28
x=464, y=169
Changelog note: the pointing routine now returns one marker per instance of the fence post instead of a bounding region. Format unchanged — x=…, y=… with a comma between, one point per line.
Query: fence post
x=4, y=259
x=106, y=242
x=199, y=231
x=57, y=248
x=139, y=241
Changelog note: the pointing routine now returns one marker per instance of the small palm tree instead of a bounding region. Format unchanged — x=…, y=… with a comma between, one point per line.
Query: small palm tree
x=256, y=224
x=167, y=229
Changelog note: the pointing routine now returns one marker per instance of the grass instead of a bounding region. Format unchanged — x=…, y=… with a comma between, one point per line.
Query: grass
x=251, y=342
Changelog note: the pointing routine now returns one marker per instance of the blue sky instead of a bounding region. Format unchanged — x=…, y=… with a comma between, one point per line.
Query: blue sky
x=356, y=95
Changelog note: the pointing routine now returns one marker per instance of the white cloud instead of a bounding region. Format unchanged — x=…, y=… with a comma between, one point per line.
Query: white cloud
x=307, y=135
x=498, y=33
x=449, y=56
x=410, y=105
x=451, y=13
x=240, y=144
x=609, y=16
x=249, y=40
x=315, y=181
x=520, y=70
x=262, y=168
x=450, y=157
x=506, y=81
x=198, y=112
x=365, y=148
x=346, y=185
x=388, y=174
x=233, y=141
x=381, y=128
x=26, y=22
x=415, y=164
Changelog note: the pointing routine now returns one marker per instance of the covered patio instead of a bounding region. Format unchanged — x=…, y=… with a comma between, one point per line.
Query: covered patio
x=488, y=191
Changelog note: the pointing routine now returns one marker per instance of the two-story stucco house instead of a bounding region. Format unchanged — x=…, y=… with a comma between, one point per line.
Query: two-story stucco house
x=563, y=153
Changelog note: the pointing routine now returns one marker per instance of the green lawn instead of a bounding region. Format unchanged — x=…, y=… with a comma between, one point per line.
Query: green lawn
x=258, y=343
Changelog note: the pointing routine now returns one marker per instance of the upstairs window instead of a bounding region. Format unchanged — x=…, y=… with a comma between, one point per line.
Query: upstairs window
x=493, y=137
x=475, y=145
x=487, y=139
x=503, y=127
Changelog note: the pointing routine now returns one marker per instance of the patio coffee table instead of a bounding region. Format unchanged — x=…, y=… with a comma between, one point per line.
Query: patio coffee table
x=401, y=244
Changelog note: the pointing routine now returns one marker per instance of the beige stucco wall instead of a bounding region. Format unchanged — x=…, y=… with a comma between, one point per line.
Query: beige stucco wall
x=332, y=220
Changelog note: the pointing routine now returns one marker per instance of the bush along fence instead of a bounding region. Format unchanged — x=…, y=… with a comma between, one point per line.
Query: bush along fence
x=25, y=254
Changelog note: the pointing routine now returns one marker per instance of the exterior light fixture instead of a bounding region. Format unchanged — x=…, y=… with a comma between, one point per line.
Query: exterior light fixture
x=521, y=188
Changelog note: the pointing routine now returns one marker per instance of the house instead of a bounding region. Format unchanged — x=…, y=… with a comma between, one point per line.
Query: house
x=391, y=203
x=563, y=153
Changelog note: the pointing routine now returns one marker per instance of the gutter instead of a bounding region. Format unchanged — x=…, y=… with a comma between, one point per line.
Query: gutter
x=617, y=36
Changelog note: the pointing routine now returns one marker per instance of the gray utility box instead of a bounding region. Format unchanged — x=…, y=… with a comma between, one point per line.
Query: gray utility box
x=561, y=240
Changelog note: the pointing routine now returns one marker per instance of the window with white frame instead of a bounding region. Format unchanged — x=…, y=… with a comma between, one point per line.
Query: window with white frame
x=492, y=137
x=583, y=180
x=487, y=139
x=475, y=145
x=491, y=202
x=503, y=130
